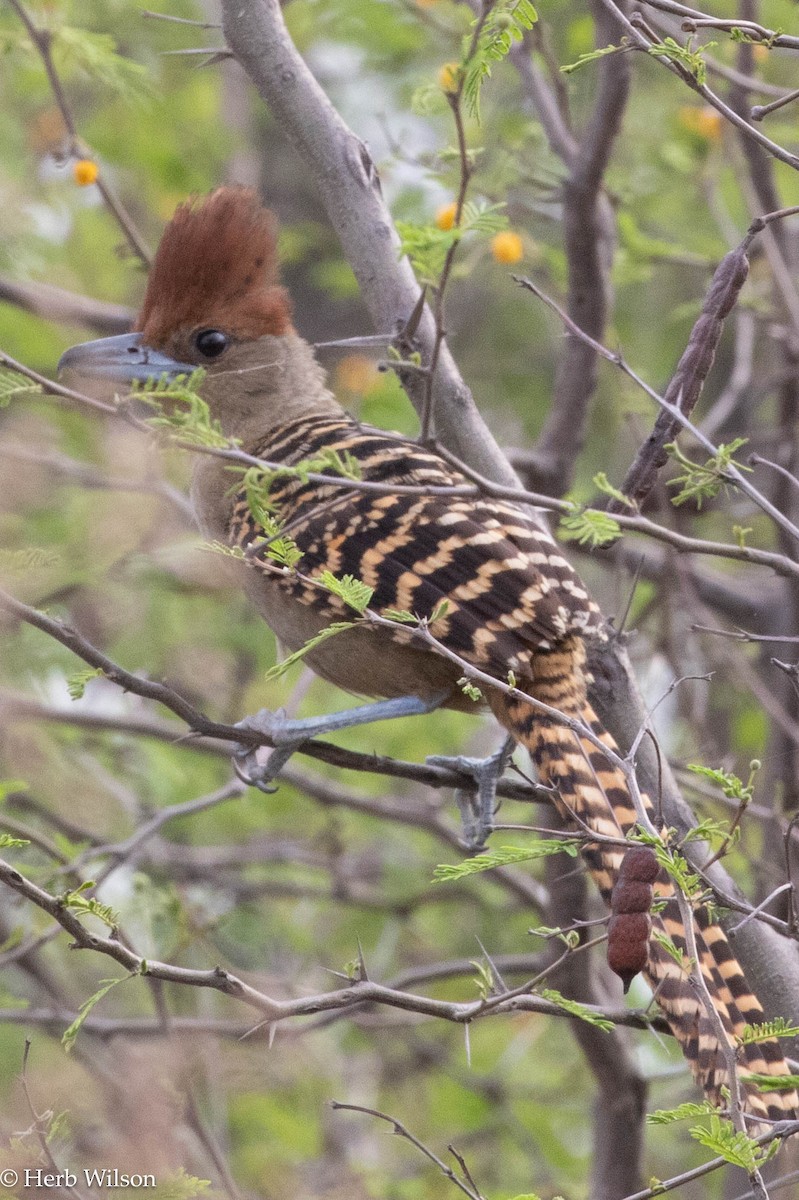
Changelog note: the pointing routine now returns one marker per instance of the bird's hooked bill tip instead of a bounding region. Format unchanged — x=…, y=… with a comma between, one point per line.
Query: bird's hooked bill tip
x=120, y=359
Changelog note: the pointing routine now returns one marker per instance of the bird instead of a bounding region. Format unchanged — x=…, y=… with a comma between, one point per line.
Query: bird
x=488, y=585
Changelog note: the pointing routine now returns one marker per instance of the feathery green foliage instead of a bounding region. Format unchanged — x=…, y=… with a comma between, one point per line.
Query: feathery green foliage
x=590, y=527
x=576, y=1010
x=280, y=669
x=505, y=24
x=766, y=1030
x=12, y=385
x=667, y=1116
x=76, y=682
x=738, y=1149
x=703, y=481
x=90, y=906
x=503, y=856
x=70, y=1034
x=352, y=591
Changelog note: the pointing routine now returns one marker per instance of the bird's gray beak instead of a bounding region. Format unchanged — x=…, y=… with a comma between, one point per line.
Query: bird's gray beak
x=120, y=360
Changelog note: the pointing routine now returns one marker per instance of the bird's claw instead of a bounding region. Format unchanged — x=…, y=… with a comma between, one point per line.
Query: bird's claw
x=477, y=803
x=258, y=766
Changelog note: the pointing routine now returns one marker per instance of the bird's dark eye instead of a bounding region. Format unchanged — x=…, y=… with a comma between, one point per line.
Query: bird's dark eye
x=211, y=342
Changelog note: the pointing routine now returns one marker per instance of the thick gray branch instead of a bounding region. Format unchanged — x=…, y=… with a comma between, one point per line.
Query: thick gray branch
x=589, y=238
x=349, y=187
x=68, y=308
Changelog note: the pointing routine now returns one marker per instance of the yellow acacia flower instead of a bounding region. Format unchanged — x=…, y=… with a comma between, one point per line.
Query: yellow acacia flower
x=705, y=122
x=357, y=373
x=84, y=172
x=449, y=77
x=507, y=247
x=445, y=216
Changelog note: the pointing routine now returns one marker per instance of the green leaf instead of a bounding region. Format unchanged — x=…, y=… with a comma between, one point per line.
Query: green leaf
x=179, y=1186
x=593, y=56
x=602, y=482
x=186, y=415
x=428, y=100
x=704, y=481
x=676, y=865
x=70, y=1034
x=685, y=55
x=400, y=615
x=732, y=787
x=332, y=462
x=90, y=906
x=281, y=668
x=275, y=545
x=503, y=856
x=470, y=689
x=505, y=24
x=12, y=385
x=735, y=1148
x=709, y=831
x=484, y=982
x=439, y=612
x=771, y=1083
x=76, y=683
x=478, y=217
x=532, y=1196
x=668, y=945
x=95, y=56
x=7, y=842
x=576, y=1010
x=666, y=1116
x=224, y=549
x=352, y=591
x=590, y=527
x=427, y=247
x=755, y=39
x=777, y=1028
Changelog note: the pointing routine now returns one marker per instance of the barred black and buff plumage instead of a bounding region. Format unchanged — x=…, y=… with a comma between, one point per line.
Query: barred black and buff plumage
x=513, y=601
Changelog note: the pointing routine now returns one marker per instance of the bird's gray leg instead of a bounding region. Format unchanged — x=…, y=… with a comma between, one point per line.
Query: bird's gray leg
x=288, y=735
x=477, y=803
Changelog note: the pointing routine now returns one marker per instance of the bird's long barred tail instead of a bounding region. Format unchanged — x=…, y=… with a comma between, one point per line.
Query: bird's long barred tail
x=593, y=793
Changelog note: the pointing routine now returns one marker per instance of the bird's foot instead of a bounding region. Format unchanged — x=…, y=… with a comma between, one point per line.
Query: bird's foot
x=259, y=766
x=477, y=803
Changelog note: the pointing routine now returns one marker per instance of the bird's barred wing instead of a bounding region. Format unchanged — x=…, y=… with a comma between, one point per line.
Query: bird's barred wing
x=509, y=591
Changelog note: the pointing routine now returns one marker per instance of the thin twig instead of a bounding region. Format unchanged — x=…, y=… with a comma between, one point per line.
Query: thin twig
x=41, y=1123
x=42, y=43
x=402, y=1131
x=674, y=410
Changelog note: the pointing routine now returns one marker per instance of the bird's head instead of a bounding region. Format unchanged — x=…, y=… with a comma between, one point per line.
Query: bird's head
x=213, y=301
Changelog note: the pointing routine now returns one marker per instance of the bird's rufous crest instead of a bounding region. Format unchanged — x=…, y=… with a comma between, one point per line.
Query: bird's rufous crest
x=216, y=266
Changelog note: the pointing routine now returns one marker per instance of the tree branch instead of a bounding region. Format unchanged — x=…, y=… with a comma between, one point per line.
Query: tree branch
x=348, y=185
x=589, y=238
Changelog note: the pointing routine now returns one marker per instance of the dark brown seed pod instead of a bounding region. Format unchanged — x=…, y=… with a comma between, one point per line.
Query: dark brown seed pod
x=639, y=863
x=631, y=896
x=628, y=938
x=630, y=924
